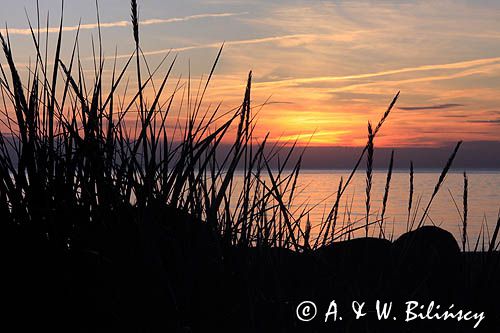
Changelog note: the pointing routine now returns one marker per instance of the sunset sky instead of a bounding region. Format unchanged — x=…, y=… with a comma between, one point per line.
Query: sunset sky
x=327, y=66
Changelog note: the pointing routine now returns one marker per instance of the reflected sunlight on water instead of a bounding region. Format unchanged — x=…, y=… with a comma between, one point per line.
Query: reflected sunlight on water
x=317, y=188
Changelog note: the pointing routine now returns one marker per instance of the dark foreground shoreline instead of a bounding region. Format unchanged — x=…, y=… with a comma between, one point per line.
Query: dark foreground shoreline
x=173, y=274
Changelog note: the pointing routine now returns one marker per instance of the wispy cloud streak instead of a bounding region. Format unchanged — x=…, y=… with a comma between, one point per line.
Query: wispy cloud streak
x=431, y=107
x=122, y=24
x=448, y=66
x=484, y=121
x=306, y=37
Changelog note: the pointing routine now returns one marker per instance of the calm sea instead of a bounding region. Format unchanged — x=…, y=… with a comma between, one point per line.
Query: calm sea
x=317, y=188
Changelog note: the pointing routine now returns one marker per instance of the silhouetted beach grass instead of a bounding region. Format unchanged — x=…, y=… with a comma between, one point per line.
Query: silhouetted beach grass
x=111, y=226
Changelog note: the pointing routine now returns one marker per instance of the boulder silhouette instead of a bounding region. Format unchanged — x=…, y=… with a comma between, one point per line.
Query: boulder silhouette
x=354, y=266
x=426, y=262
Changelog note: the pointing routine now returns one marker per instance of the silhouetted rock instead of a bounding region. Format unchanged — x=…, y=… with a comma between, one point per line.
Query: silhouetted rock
x=427, y=262
x=353, y=267
x=355, y=252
